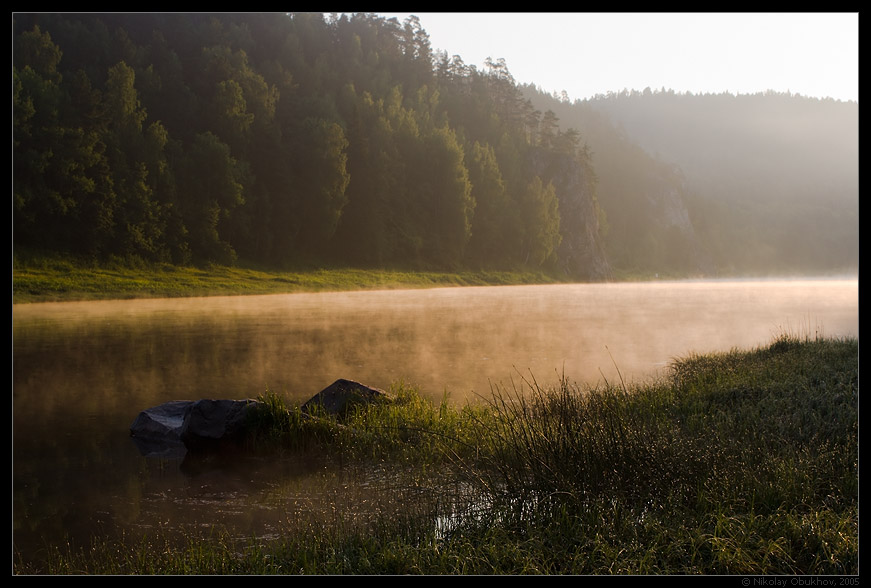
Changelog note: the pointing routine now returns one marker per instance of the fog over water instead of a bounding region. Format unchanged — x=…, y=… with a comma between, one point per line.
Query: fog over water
x=458, y=340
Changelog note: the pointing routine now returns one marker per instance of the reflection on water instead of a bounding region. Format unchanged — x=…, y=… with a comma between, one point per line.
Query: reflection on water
x=83, y=371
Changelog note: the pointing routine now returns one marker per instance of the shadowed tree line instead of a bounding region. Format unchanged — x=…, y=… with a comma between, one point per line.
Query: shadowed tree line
x=282, y=139
x=286, y=140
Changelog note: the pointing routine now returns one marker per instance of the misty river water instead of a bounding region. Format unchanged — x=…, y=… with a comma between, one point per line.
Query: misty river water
x=82, y=371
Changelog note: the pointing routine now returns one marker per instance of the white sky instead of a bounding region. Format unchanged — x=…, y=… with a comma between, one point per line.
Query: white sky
x=813, y=54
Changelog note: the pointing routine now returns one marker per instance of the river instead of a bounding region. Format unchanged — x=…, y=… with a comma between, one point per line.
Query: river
x=82, y=371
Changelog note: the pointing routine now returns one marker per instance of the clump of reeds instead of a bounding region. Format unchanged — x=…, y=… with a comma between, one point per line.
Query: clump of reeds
x=553, y=447
x=411, y=427
x=277, y=427
x=741, y=462
x=405, y=426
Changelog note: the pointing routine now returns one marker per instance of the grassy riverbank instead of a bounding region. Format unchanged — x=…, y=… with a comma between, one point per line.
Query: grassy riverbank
x=58, y=280
x=743, y=462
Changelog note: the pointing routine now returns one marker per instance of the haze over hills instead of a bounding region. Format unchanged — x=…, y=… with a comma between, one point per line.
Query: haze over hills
x=302, y=139
x=769, y=180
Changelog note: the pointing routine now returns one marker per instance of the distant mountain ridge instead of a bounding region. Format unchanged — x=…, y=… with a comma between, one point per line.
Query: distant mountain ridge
x=769, y=180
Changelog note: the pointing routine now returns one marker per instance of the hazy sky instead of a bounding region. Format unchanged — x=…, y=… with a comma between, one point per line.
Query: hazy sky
x=813, y=54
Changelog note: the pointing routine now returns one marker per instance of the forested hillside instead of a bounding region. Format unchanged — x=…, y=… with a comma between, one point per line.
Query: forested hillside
x=770, y=181
x=282, y=140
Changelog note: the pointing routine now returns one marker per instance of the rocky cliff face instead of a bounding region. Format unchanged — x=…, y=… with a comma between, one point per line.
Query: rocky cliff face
x=581, y=251
x=671, y=226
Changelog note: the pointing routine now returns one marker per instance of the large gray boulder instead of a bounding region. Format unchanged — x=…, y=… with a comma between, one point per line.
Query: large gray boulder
x=215, y=424
x=162, y=421
x=341, y=395
x=181, y=426
x=157, y=430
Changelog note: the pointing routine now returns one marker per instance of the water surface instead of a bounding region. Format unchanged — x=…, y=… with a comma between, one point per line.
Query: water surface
x=83, y=370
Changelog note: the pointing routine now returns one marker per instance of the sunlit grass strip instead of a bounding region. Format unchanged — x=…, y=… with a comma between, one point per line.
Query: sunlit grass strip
x=59, y=280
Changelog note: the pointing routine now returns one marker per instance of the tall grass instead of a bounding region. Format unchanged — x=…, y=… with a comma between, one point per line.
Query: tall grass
x=552, y=447
x=743, y=462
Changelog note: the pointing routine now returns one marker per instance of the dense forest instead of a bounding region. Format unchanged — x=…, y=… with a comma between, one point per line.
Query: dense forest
x=293, y=139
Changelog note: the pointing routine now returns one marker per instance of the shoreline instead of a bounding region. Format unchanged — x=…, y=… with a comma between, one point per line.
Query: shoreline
x=66, y=281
